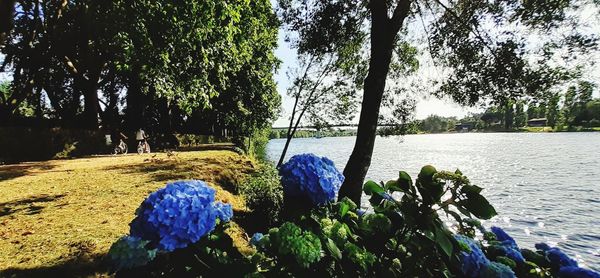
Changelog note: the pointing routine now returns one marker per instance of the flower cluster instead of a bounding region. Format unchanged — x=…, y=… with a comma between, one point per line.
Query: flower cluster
x=129, y=252
x=178, y=215
x=561, y=262
x=311, y=176
x=504, y=256
x=472, y=259
x=507, y=245
x=289, y=239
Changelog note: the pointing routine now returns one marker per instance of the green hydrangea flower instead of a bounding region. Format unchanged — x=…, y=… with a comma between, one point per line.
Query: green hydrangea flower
x=359, y=256
x=304, y=246
x=335, y=230
x=376, y=224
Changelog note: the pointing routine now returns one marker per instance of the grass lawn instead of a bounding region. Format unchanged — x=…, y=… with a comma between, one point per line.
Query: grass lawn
x=61, y=216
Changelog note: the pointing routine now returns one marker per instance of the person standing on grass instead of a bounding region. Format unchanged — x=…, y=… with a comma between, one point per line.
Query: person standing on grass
x=141, y=137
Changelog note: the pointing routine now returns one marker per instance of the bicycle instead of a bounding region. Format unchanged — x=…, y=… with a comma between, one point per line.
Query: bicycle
x=143, y=147
x=121, y=148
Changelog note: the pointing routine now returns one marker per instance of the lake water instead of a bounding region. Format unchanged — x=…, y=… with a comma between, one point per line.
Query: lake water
x=545, y=186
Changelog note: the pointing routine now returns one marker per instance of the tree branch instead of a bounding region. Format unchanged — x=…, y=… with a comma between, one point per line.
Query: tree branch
x=400, y=13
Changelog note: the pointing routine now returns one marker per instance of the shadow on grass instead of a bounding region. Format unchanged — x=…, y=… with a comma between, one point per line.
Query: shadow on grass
x=227, y=172
x=8, y=172
x=27, y=205
x=81, y=262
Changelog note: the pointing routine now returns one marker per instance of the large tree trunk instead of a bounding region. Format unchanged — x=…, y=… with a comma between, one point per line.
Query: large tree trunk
x=7, y=10
x=383, y=34
x=134, y=112
x=90, y=107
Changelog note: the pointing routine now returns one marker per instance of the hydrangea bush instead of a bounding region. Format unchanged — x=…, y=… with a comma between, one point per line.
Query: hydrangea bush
x=170, y=218
x=312, y=177
x=179, y=214
x=130, y=252
x=403, y=234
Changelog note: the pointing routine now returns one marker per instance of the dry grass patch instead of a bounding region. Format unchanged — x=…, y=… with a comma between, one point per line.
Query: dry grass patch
x=56, y=212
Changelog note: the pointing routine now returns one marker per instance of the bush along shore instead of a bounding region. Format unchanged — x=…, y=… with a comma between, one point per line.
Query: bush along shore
x=181, y=231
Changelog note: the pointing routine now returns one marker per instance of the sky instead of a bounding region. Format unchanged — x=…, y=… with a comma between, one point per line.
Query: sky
x=426, y=105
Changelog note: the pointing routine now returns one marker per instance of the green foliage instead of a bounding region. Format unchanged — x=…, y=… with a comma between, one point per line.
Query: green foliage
x=193, y=66
x=303, y=246
x=264, y=196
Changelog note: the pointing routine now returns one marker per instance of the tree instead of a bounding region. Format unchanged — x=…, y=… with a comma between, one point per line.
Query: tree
x=509, y=115
x=570, y=106
x=484, y=66
x=152, y=63
x=520, y=116
x=532, y=110
x=552, y=110
x=7, y=8
x=320, y=92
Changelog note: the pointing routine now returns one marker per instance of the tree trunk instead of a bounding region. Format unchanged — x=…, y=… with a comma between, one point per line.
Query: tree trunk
x=90, y=107
x=134, y=112
x=383, y=34
x=7, y=9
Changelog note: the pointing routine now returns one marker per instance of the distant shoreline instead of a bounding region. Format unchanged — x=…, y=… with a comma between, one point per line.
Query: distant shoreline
x=346, y=133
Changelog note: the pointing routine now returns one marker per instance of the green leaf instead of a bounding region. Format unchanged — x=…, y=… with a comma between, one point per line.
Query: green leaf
x=441, y=238
x=371, y=187
x=478, y=206
x=344, y=208
x=392, y=186
x=333, y=249
x=427, y=173
x=471, y=189
x=404, y=181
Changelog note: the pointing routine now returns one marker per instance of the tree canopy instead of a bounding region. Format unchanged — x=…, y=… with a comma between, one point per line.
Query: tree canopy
x=195, y=65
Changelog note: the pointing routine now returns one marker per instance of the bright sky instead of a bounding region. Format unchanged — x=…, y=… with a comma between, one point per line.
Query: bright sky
x=424, y=108
x=425, y=105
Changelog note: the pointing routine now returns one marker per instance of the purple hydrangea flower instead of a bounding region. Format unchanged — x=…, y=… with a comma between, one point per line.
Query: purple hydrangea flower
x=311, y=176
x=179, y=214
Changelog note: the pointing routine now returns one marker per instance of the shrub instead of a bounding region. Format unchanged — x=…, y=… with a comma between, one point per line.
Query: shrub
x=178, y=215
x=264, y=195
x=312, y=178
x=403, y=236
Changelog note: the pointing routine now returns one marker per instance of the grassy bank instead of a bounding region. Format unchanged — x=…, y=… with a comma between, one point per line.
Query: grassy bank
x=63, y=215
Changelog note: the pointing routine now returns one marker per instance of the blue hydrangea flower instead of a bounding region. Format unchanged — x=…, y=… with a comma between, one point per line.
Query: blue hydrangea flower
x=474, y=262
x=224, y=211
x=501, y=235
x=256, y=239
x=129, y=252
x=179, y=214
x=508, y=245
x=577, y=272
x=497, y=270
x=311, y=176
x=557, y=258
x=361, y=212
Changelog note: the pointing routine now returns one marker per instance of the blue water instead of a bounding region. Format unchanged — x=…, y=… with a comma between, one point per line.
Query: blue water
x=545, y=186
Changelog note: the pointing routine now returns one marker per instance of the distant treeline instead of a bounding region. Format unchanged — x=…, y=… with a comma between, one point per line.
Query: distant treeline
x=281, y=133
x=573, y=110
